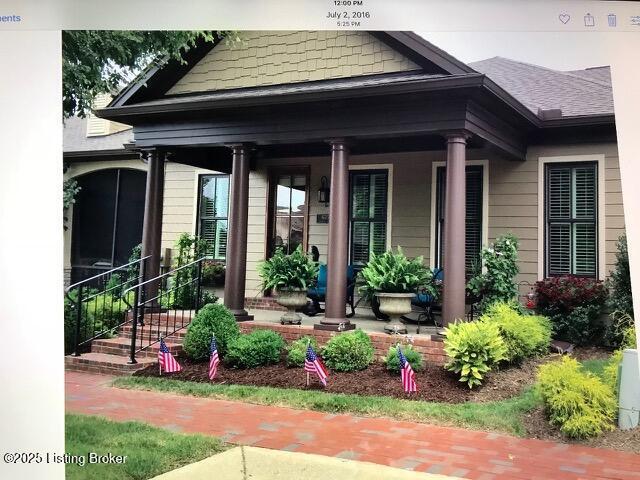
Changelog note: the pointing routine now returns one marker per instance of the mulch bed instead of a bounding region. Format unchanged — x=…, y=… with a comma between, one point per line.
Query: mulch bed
x=435, y=384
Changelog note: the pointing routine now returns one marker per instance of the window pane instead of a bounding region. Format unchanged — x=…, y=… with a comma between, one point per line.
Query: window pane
x=220, y=249
x=360, y=243
x=360, y=196
x=222, y=197
x=281, y=233
x=559, y=192
x=283, y=195
x=378, y=235
x=130, y=214
x=207, y=198
x=378, y=204
x=296, y=235
x=584, y=241
x=208, y=233
x=559, y=248
x=584, y=188
x=298, y=199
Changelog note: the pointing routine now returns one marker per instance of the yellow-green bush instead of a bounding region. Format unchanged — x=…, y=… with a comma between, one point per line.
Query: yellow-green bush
x=473, y=349
x=578, y=402
x=524, y=335
x=611, y=369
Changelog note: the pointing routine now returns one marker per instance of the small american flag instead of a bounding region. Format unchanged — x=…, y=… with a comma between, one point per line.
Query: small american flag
x=312, y=364
x=407, y=373
x=214, y=360
x=166, y=360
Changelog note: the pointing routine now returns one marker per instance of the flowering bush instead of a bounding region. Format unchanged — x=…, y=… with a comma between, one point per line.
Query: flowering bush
x=497, y=283
x=574, y=305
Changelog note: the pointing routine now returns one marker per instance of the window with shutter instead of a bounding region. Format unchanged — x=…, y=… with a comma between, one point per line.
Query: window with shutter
x=213, y=213
x=368, y=214
x=571, y=197
x=473, y=217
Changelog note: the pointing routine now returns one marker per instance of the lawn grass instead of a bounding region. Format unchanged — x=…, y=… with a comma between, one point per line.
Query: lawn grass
x=150, y=450
x=504, y=416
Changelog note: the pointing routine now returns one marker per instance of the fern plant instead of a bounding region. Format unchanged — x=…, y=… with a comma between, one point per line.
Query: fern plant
x=283, y=272
x=392, y=272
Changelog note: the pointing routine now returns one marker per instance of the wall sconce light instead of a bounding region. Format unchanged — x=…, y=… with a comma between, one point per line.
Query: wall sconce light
x=323, y=191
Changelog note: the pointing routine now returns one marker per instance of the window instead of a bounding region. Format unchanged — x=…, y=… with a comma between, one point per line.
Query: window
x=368, y=214
x=289, y=212
x=213, y=212
x=571, y=196
x=473, y=217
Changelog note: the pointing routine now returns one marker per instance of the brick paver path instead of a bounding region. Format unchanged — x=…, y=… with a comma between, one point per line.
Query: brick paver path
x=420, y=447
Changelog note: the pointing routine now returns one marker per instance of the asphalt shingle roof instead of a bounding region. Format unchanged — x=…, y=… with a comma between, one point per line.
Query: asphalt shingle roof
x=576, y=93
x=75, y=138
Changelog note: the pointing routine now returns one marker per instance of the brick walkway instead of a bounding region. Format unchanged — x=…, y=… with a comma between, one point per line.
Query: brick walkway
x=420, y=447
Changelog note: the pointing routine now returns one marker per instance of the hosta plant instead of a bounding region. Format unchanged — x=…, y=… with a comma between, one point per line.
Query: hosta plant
x=392, y=272
x=283, y=272
x=473, y=349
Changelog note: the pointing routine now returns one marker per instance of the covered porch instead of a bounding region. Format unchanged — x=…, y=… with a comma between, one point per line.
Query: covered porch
x=332, y=130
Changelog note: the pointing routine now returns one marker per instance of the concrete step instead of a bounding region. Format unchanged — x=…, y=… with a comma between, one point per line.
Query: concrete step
x=169, y=316
x=151, y=331
x=103, y=363
x=120, y=346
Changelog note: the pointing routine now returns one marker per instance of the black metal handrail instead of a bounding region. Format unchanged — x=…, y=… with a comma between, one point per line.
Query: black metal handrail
x=157, y=299
x=95, y=303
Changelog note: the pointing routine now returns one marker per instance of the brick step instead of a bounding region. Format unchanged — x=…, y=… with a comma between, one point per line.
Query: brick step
x=162, y=318
x=103, y=363
x=121, y=346
x=152, y=333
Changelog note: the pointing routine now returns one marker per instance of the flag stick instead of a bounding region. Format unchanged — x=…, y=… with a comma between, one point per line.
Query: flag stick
x=160, y=364
x=305, y=358
x=307, y=379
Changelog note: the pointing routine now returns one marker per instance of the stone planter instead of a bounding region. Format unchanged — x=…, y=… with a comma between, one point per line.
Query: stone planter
x=395, y=305
x=292, y=300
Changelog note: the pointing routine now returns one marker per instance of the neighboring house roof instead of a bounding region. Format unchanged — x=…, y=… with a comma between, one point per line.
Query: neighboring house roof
x=75, y=139
x=576, y=93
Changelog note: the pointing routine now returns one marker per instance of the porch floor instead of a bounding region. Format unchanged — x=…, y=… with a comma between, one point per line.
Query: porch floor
x=363, y=319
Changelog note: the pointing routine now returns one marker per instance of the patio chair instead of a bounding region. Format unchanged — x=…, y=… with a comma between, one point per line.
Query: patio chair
x=425, y=304
x=317, y=293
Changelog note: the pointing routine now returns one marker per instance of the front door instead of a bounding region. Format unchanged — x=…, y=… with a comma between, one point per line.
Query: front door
x=288, y=209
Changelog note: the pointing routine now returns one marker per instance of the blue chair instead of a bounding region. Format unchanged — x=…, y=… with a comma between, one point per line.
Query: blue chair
x=318, y=292
x=425, y=304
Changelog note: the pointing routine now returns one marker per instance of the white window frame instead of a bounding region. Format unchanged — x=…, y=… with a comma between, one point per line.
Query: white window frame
x=485, y=204
x=542, y=162
x=389, y=168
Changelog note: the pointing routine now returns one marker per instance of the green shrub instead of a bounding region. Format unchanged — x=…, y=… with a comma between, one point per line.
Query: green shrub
x=619, y=282
x=497, y=283
x=413, y=357
x=183, y=282
x=258, y=348
x=212, y=319
x=610, y=373
x=348, y=351
x=618, y=330
x=524, y=335
x=297, y=350
x=473, y=349
x=576, y=401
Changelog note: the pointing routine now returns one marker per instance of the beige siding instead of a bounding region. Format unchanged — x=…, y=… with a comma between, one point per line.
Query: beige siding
x=180, y=201
x=270, y=58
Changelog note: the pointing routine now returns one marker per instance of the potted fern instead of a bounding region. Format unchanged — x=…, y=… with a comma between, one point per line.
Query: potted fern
x=394, y=279
x=290, y=276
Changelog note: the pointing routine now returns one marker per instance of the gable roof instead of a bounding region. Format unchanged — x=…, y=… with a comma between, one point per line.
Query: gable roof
x=158, y=78
x=577, y=93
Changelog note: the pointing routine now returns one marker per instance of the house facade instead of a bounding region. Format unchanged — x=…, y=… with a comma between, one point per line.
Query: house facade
x=245, y=143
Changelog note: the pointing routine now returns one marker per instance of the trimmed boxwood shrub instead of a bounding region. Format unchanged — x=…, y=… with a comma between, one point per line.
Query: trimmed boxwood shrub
x=255, y=349
x=524, y=335
x=212, y=319
x=413, y=357
x=348, y=351
x=574, y=305
x=297, y=350
x=473, y=349
x=576, y=401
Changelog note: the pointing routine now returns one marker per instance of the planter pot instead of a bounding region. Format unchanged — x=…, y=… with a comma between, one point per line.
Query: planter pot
x=395, y=305
x=292, y=300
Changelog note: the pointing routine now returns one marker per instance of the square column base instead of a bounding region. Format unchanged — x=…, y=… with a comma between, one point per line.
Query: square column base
x=335, y=327
x=242, y=315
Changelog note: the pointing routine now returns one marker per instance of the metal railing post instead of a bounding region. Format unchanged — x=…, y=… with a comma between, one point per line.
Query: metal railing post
x=198, y=285
x=76, y=342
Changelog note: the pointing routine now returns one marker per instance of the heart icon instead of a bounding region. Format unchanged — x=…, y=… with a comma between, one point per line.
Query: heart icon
x=564, y=18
